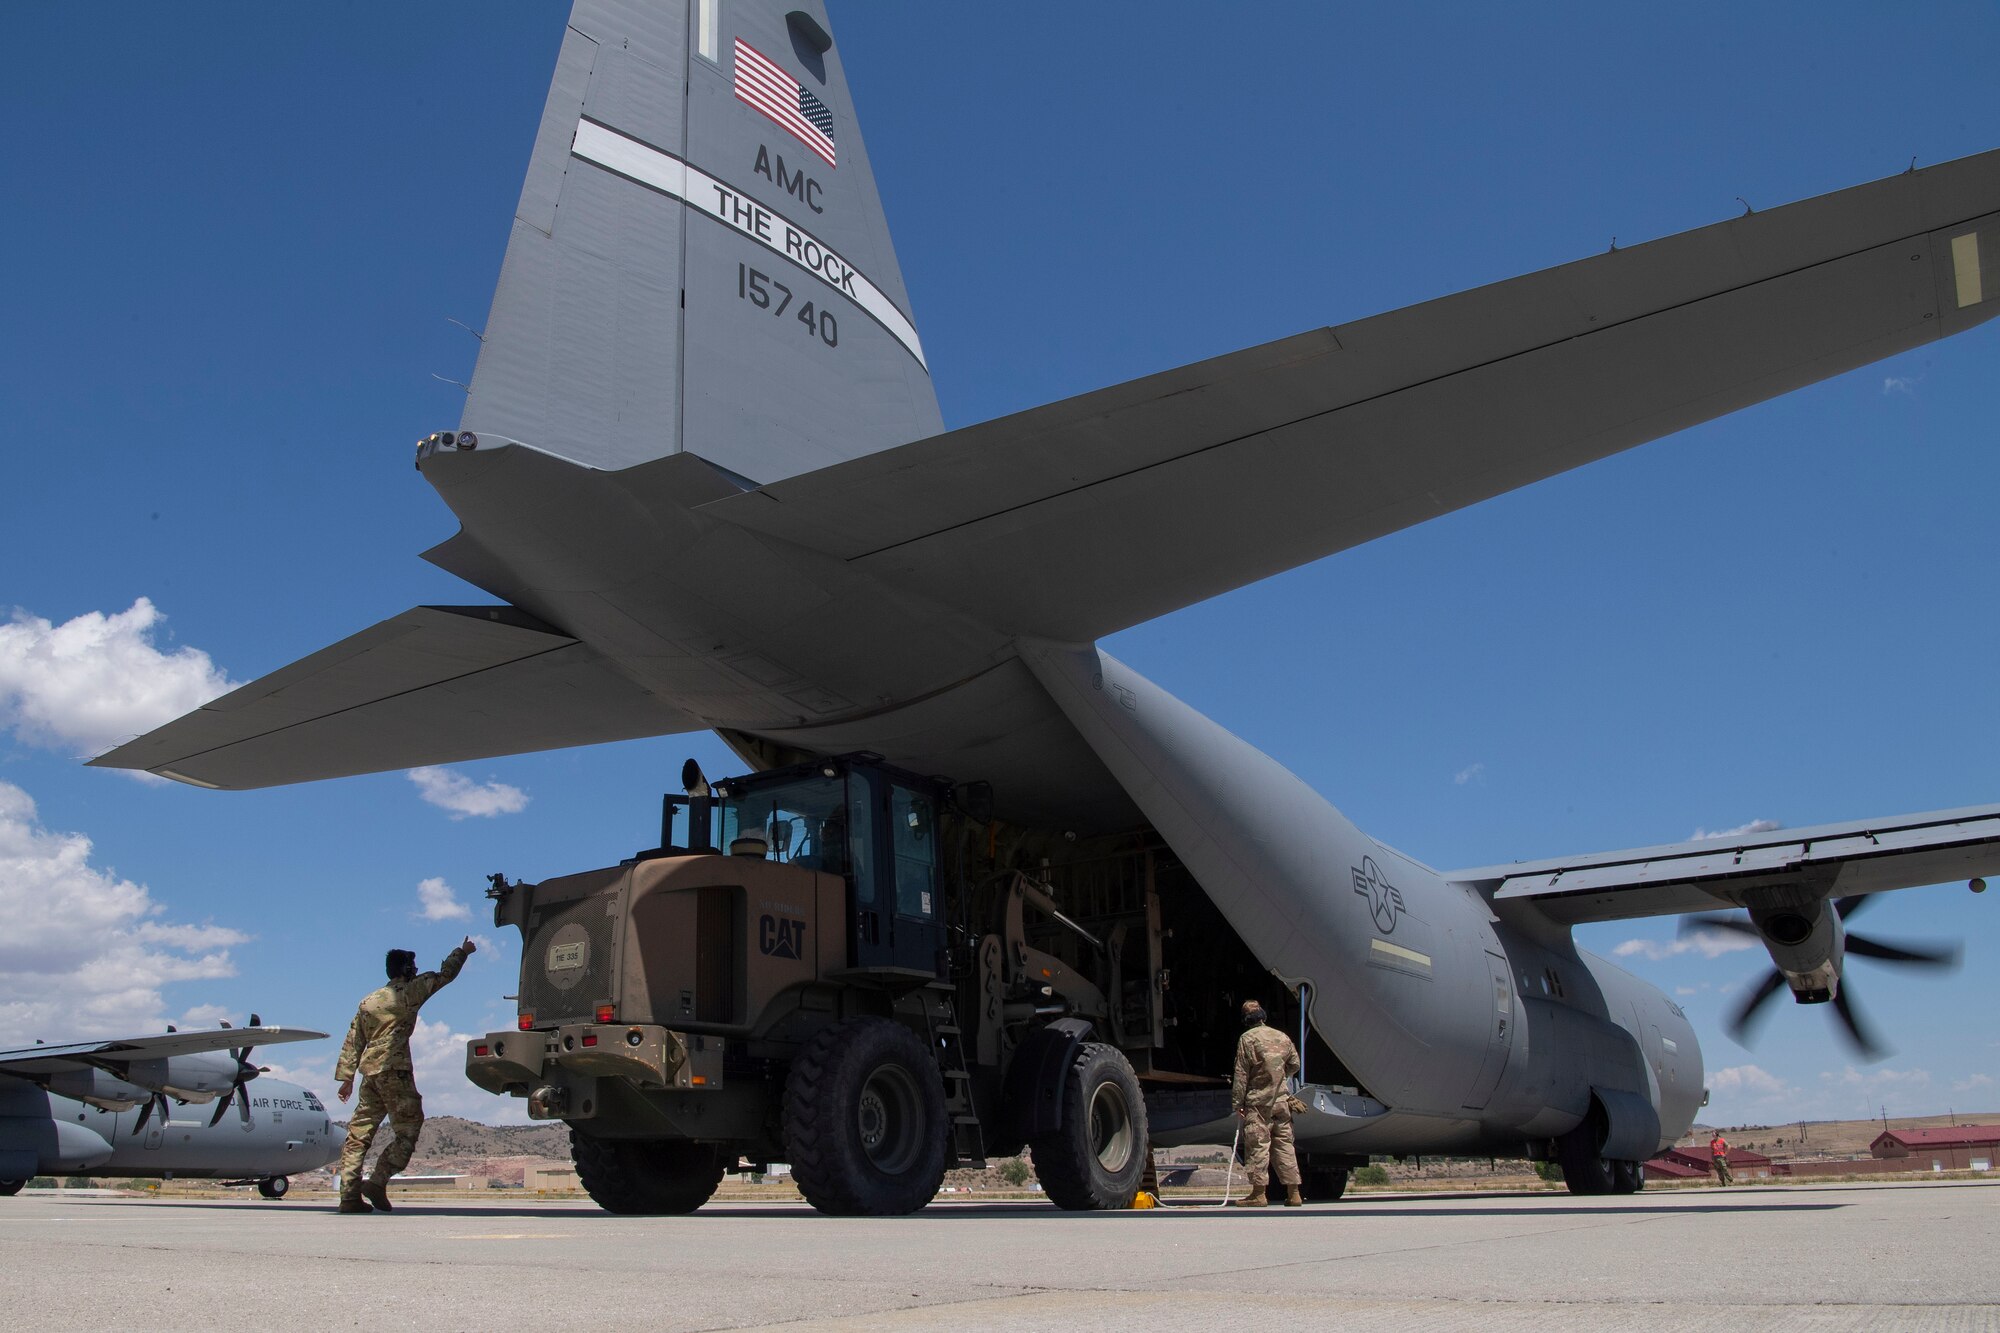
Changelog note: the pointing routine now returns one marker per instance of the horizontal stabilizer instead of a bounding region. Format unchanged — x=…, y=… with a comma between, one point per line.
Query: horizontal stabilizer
x=435, y=685
x=1838, y=860
x=1081, y=518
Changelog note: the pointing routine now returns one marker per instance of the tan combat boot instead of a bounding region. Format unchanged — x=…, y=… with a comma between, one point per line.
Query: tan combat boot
x=1255, y=1199
x=1292, y=1199
x=377, y=1193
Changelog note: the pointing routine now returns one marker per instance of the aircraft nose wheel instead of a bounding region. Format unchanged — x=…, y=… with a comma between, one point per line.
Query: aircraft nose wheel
x=274, y=1187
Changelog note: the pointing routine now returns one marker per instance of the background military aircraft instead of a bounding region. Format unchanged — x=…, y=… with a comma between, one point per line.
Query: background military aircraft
x=188, y=1104
x=781, y=544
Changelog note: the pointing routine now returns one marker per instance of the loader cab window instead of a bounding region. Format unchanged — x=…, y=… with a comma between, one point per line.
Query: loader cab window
x=913, y=834
x=802, y=823
x=893, y=851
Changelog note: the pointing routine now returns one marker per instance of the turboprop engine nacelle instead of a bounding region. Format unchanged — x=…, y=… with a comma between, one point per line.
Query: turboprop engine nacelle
x=192, y=1078
x=98, y=1087
x=1807, y=944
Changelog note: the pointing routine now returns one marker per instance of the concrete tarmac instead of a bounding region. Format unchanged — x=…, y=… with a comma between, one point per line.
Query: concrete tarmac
x=1849, y=1256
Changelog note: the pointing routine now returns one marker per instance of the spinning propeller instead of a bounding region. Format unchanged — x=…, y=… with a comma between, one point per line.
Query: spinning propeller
x=1746, y=1014
x=245, y=1071
x=157, y=1100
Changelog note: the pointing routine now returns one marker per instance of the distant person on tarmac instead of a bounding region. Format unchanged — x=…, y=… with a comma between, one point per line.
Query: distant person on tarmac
x=1718, y=1150
x=1265, y=1058
x=378, y=1047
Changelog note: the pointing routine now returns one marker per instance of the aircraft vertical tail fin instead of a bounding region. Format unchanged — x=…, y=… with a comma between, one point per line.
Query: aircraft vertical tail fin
x=699, y=259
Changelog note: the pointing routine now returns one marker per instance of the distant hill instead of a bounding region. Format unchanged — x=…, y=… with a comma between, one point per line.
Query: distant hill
x=448, y=1145
x=1827, y=1138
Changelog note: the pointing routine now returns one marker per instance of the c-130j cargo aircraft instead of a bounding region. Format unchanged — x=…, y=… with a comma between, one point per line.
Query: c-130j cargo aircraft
x=703, y=472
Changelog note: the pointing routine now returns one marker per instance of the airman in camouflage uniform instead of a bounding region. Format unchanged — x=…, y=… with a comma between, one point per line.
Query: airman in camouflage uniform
x=378, y=1047
x=1265, y=1059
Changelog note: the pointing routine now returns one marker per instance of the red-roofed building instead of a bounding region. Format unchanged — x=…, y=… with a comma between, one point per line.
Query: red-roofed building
x=1948, y=1148
x=1694, y=1161
x=1669, y=1168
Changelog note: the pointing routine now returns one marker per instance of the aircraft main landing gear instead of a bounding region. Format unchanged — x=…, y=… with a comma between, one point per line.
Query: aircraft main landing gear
x=1585, y=1168
x=274, y=1187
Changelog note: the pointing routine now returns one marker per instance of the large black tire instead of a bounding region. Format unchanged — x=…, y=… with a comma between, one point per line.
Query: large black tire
x=1321, y=1184
x=645, y=1176
x=1095, y=1161
x=865, y=1120
x=1580, y=1153
x=1627, y=1177
x=9, y=1188
x=274, y=1187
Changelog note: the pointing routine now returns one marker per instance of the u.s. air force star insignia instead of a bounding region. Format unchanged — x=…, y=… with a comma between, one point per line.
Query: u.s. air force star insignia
x=1385, y=900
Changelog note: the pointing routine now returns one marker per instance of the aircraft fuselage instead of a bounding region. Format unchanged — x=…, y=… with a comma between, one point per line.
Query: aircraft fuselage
x=287, y=1132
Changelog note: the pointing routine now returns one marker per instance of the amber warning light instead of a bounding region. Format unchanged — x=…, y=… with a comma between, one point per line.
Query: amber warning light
x=605, y=1014
x=526, y=1021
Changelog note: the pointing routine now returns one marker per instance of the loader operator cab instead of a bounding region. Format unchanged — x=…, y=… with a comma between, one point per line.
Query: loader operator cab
x=875, y=825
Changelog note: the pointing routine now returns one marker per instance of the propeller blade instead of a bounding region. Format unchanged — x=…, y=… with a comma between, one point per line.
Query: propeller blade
x=1945, y=956
x=1848, y=906
x=146, y=1112
x=221, y=1109
x=1692, y=925
x=1857, y=1031
x=244, y=1069
x=1739, y=1023
x=242, y=1104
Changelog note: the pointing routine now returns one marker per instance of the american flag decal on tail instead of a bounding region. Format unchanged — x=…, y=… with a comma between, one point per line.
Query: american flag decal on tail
x=766, y=86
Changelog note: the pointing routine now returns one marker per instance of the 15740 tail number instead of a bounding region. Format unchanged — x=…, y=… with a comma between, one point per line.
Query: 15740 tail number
x=767, y=293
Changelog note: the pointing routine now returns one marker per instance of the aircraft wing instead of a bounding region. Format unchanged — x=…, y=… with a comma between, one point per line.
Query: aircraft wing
x=435, y=685
x=1089, y=515
x=1837, y=860
x=45, y=1059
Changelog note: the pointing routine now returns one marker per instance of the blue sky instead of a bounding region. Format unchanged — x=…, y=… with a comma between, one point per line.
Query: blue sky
x=238, y=233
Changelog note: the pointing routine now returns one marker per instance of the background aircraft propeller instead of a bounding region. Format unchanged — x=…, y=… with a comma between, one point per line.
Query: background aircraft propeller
x=245, y=1071
x=157, y=1100
x=1743, y=1018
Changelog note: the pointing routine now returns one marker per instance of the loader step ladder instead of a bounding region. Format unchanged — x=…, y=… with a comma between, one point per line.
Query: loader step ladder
x=968, y=1144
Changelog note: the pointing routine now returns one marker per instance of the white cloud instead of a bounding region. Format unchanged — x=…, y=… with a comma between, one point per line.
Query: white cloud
x=1754, y=826
x=1707, y=943
x=96, y=681
x=436, y=902
x=1902, y=1091
x=1750, y=1081
x=1972, y=1084
x=1850, y=1077
x=208, y=1016
x=464, y=797
x=85, y=953
x=1903, y=384
x=1470, y=773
